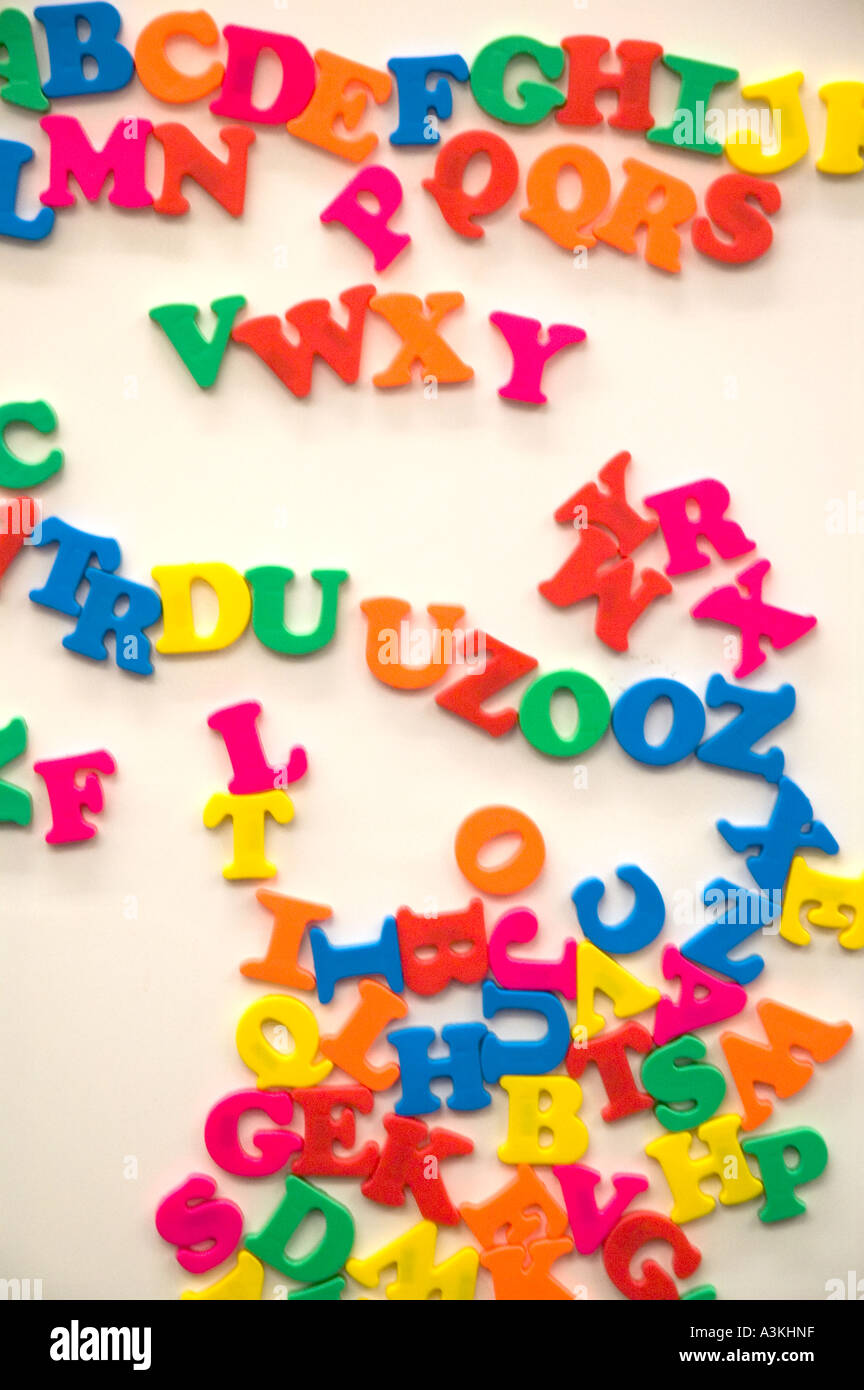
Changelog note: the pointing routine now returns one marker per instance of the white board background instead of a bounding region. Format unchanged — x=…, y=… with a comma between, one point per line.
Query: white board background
x=117, y=1035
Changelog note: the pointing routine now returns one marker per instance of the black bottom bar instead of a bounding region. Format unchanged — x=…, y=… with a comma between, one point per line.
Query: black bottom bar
x=71, y=1338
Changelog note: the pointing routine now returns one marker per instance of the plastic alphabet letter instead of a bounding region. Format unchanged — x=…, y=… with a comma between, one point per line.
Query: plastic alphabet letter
x=19, y=70
x=202, y=357
x=377, y=1008
x=404, y=1162
x=99, y=616
x=447, y=186
x=442, y=933
x=180, y=634
x=698, y=81
x=461, y=1066
x=530, y=355
x=687, y=727
x=640, y=1228
x=329, y=1291
x=248, y=815
x=67, y=49
x=187, y=158
x=590, y=1223
x=191, y=1215
x=520, y=1276
x=273, y=1066
x=19, y=519
x=16, y=805
x=417, y=98
x=159, y=76
x=252, y=773
x=371, y=227
x=536, y=99
x=16, y=472
x=485, y=826
x=637, y=207
x=642, y=925
x=586, y=78
x=417, y=1275
x=320, y=336
x=341, y=94
x=269, y=585
x=422, y=344
x=773, y=1063
x=243, y=1283
x=245, y=47
x=388, y=628
x=744, y=914
x=14, y=154
x=609, y=509
x=291, y=917
x=537, y=723
x=333, y=1247
x=844, y=128
x=513, y=972
x=744, y=146
x=668, y=1081
x=586, y=573
x=597, y=971
x=681, y=530
x=791, y=827
x=608, y=1052
x=760, y=713
x=275, y=1146
x=524, y=1211
x=323, y=1130
x=684, y=1174
x=75, y=550
x=825, y=896
x=524, y=1058
x=755, y=618
x=729, y=203
x=500, y=666
x=68, y=796
x=567, y=227
x=527, y=1120
x=781, y=1178
x=717, y=999
x=72, y=156
x=363, y=958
